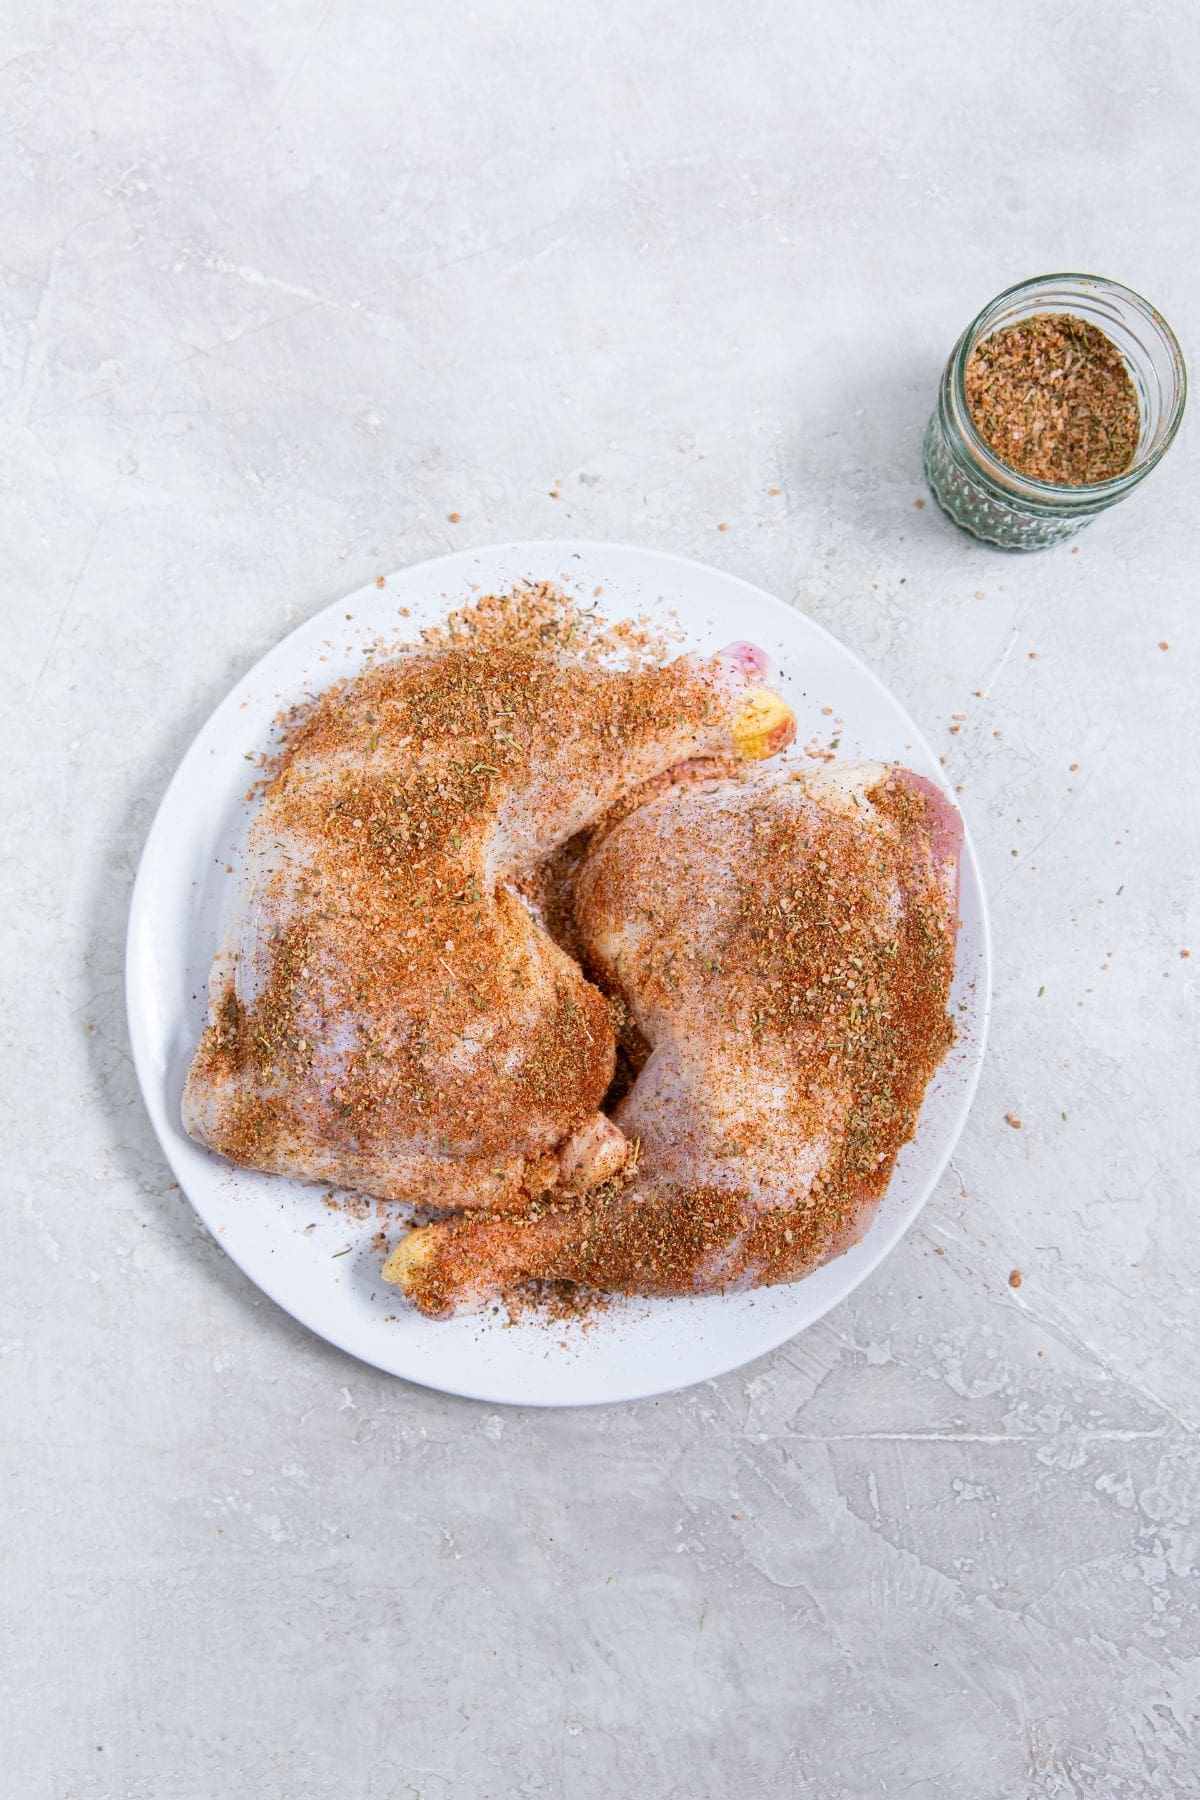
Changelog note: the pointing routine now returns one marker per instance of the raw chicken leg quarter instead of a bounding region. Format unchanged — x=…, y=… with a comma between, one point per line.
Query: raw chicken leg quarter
x=386, y=1015
x=783, y=946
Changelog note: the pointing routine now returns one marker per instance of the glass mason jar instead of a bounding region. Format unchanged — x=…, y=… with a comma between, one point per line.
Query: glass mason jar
x=995, y=502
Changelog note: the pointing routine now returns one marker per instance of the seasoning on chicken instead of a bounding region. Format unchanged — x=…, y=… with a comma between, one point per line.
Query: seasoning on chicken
x=386, y=1014
x=784, y=947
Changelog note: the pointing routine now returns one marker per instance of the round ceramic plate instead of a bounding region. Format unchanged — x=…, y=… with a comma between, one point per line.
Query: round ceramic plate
x=319, y=1261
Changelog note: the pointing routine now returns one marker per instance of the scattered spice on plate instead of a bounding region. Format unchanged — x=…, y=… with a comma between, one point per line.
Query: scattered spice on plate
x=554, y=1303
x=1052, y=397
x=540, y=616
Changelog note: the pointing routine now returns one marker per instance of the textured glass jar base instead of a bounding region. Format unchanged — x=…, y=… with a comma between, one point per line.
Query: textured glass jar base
x=980, y=514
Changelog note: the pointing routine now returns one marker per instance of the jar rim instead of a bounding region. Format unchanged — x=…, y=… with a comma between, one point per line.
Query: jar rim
x=1051, y=491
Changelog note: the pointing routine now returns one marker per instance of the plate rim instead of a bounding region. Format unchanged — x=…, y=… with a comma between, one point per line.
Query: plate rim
x=889, y=1234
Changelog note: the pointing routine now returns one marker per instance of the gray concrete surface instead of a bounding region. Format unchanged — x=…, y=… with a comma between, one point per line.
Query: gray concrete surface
x=281, y=287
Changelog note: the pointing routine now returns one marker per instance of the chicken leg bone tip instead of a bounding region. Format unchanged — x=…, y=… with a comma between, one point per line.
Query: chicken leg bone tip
x=748, y=657
x=414, y=1248
x=765, y=725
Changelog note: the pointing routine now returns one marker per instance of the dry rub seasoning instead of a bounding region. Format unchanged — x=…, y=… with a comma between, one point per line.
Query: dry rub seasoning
x=1052, y=398
x=817, y=972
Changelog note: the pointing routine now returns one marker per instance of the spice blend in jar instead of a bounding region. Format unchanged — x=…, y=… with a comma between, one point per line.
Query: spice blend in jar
x=1056, y=402
x=1051, y=397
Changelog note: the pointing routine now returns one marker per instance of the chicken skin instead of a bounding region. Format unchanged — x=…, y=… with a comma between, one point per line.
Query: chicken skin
x=783, y=947
x=386, y=1015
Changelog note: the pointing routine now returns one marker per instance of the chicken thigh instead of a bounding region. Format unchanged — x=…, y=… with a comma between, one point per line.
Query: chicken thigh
x=783, y=946
x=386, y=1014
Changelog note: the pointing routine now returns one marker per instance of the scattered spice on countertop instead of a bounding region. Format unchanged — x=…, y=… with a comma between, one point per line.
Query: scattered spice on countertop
x=1051, y=397
x=1014, y=1122
x=1014, y=1280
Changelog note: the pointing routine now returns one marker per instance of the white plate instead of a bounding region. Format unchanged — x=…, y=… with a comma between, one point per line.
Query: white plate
x=317, y=1262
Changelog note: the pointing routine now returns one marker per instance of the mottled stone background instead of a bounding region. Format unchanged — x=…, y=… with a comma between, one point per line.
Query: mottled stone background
x=281, y=287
